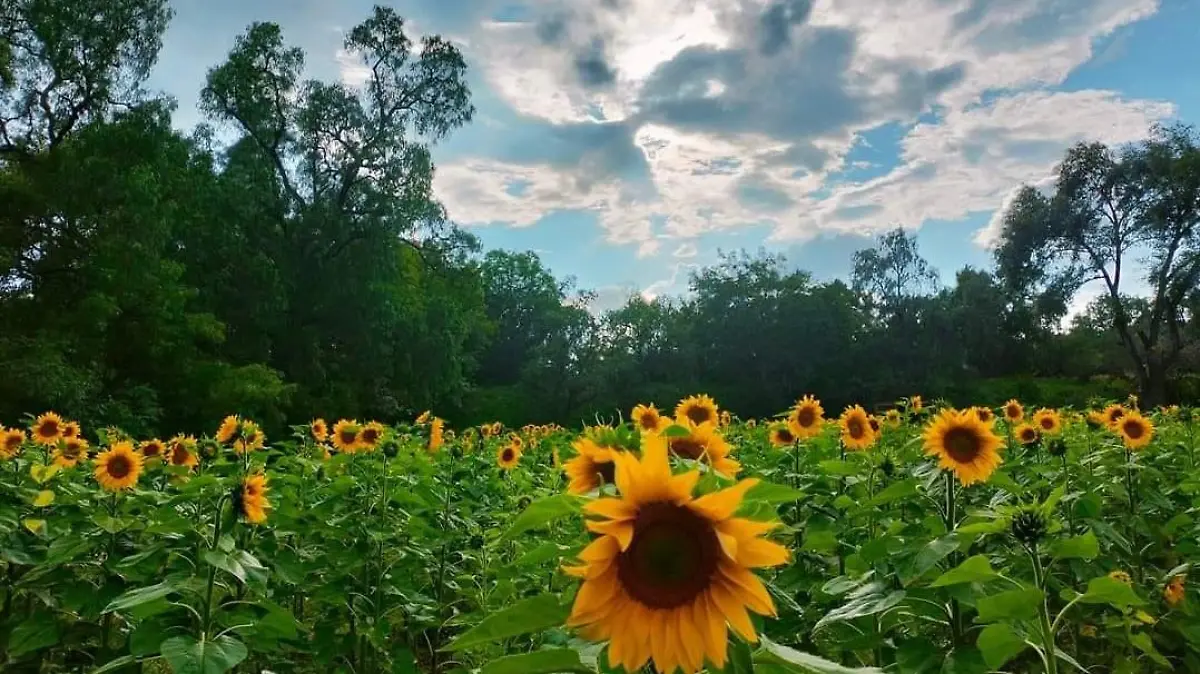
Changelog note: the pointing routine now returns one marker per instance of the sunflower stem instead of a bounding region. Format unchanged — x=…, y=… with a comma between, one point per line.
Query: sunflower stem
x=212, y=570
x=1047, y=628
x=956, y=629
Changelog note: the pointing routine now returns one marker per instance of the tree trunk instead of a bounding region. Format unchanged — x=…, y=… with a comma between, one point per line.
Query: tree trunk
x=1153, y=385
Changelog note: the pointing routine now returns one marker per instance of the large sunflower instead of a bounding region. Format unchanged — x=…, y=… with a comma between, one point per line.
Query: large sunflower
x=1113, y=414
x=345, y=436
x=963, y=444
x=669, y=572
x=229, y=427
x=648, y=420
x=181, y=451
x=1135, y=430
x=1013, y=411
x=856, y=429
x=698, y=409
x=704, y=443
x=119, y=467
x=319, y=430
x=436, y=434
x=369, y=435
x=1027, y=434
x=71, y=452
x=11, y=440
x=807, y=417
x=591, y=468
x=250, y=501
x=508, y=456
x=47, y=429
x=1048, y=421
x=782, y=435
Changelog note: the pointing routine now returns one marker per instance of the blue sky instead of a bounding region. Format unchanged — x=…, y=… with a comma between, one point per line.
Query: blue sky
x=628, y=141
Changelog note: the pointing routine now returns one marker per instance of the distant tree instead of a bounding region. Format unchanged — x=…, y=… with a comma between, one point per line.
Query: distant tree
x=893, y=270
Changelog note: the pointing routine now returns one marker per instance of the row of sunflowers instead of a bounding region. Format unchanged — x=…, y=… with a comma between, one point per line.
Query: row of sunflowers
x=910, y=538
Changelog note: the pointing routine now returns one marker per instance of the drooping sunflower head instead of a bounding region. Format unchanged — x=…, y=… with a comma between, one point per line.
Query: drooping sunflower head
x=985, y=414
x=698, y=409
x=1027, y=434
x=1136, y=431
x=591, y=468
x=647, y=419
x=229, y=428
x=250, y=499
x=436, y=435
x=782, y=435
x=1175, y=592
x=670, y=564
x=71, y=452
x=319, y=430
x=152, y=449
x=181, y=451
x=250, y=438
x=807, y=417
x=370, y=435
x=119, y=468
x=11, y=441
x=1048, y=421
x=856, y=429
x=1028, y=525
x=345, y=436
x=508, y=456
x=1014, y=412
x=963, y=445
x=1113, y=414
x=704, y=443
x=47, y=429
x=70, y=430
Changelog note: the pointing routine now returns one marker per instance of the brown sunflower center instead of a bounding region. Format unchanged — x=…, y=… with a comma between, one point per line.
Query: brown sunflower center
x=152, y=449
x=1012, y=411
x=855, y=428
x=1114, y=415
x=1133, y=429
x=48, y=428
x=806, y=416
x=962, y=444
x=12, y=442
x=1047, y=423
x=1028, y=435
x=984, y=414
x=672, y=558
x=698, y=414
x=72, y=450
x=348, y=436
x=118, y=467
x=648, y=421
x=507, y=455
x=370, y=435
x=875, y=425
x=688, y=448
x=785, y=436
x=179, y=454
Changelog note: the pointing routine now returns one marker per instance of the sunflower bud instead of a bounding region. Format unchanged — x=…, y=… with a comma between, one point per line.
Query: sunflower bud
x=1028, y=526
x=1057, y=447
x=209, y=449
x=391, y=448
x=888, y=466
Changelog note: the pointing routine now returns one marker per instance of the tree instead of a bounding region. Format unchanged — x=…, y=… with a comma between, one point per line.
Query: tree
x=1108, y=205
x=892, y=270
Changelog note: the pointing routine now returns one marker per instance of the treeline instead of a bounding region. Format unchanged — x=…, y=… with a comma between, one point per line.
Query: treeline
x=287, y=259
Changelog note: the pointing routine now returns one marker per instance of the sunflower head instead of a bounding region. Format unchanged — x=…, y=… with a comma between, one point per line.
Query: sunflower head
x=47, y=429
x=703, y=442
x=1095, y=420
x=345, y=436
x=876, y=425
x=508, y=456
x=436, y=435
x=698, y=409
x=1028, y=525
x=1048, y=421
x=152, y=449
x=249, y=438
x=250, y=499
x=1121, y=577
x=70, y=430
x=985, y=414
x=181, y=451
x=208, y=449
x=1027, y=434
x=807, y=417
x=1113, y=414
x=726, y=418
x=319, y=430
x=892, y=418
x=424, y=417
x=856, y=429
x=11, y=441
x=782, y=435
x=915, y=404
x=71, y=452
x=1014, y=412
x=591, y=468
x=370, y=435
x=647, y=419
x=667, y=563
x=1136, y=431
x=963, y=444
x=119, y=468
x=1175, y=592
x=229, y=428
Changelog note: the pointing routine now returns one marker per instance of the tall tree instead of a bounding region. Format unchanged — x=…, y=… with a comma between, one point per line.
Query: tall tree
x=893, y=270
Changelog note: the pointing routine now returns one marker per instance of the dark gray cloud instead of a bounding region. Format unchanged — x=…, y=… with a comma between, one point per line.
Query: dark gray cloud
x=588, y=56
x=775, y=24
x=596, y=150
x=591, y=65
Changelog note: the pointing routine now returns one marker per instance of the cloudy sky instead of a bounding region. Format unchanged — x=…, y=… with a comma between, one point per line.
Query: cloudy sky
x=628, y=141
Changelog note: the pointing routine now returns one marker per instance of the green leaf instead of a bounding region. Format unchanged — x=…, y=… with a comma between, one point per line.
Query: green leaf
x=1084, y=546
x=1143, y=643
x=188, y=656
x=543, y=511
x=820, y=540
x=979, y=528
x=741, y=659
x=1011, y=605
x=44, y=498
x=964, y=660
x=528, y=615
x=836, y=467
x=675, y=431
x=929, y=556
x=31, y=634
x=1105, y=590
x=140, y=596
x=240, y=563
x=895, y=492
x=118, y=664
x=552, y=661
x=974, y=570
x=776, y=659
x=770, y=492
x=545, y=552
x=999, y=643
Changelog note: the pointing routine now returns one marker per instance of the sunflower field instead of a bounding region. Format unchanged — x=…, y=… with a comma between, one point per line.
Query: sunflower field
x=910, y=538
